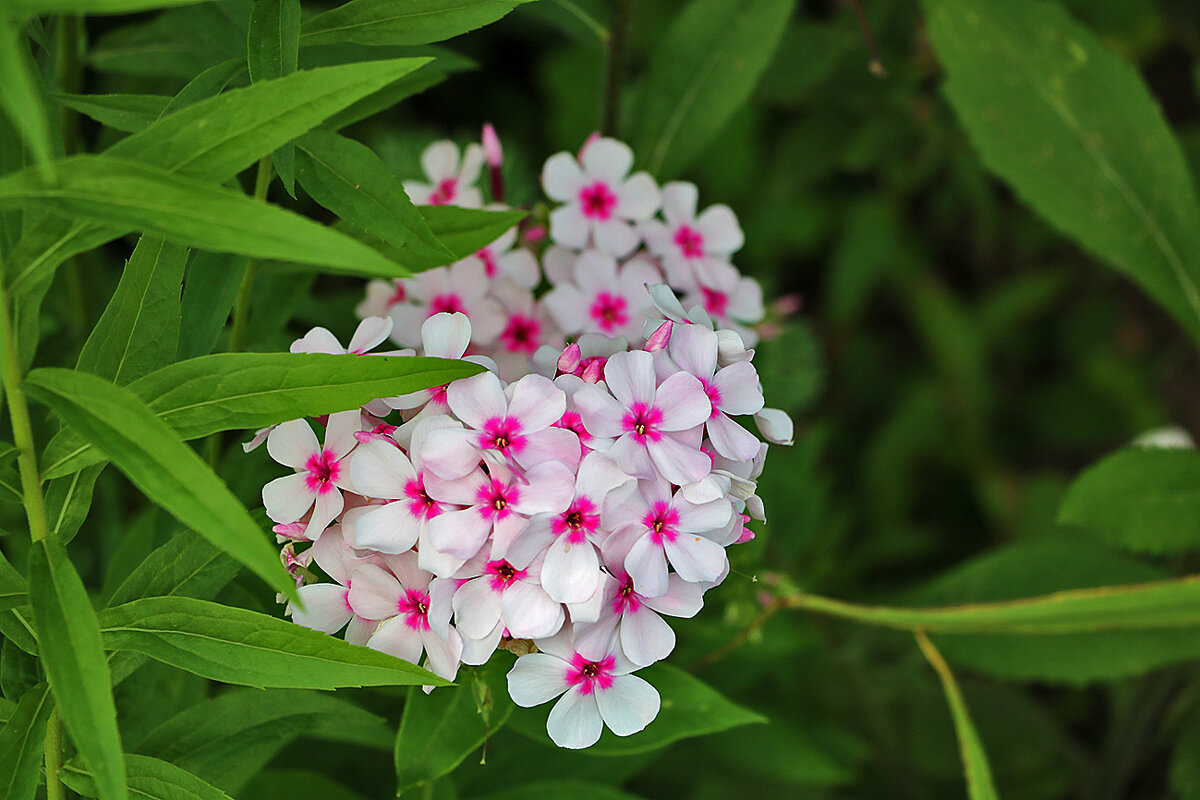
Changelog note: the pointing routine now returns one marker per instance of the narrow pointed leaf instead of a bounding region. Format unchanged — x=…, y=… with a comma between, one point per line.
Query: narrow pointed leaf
x=383, y=22
x=159, y=463
x=148, y=778
x=21, y=744
x=34, y=7
x=20, y=94
x=14, y=589
x=69, y=499
x=209, y=293
x=121, y=112
x=233, y=645
x=272, y=51
x=72, y=654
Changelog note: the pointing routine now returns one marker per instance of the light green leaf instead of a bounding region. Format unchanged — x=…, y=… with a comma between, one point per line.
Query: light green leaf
x=159, y=463
x=139, y=329
x=272, y=51
x=21, y=744
x=14, y=589
x=240, y=391
x=122, y=112
x=209, y=83
x=384, y=22
x=72, y=654
x=233, y=645
x=699, y=75
x=1146, y=500
x=185, y=566
x=126, y=194
x=463, y=230
x=1088, y=122
x=975, y=764
x=438, y=732
x=37, y=7
x=20, y=94
x=351, y=181
x=149, y=778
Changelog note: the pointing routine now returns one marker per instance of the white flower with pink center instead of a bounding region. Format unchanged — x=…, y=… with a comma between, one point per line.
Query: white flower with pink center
x=450, y=183
x=527, y=326
x=500, y=260
x=597, y=690
x=656, y=427
x=691, y=246
x=381, y=296
x=603, y=298
x=460, y=288
x=369, y=334
x=505, y=598
x=321, y=471
x=445, y=335
x=326, y=606
x=382, y=470
x=600, y=204
x=733, y=302
x=414, y=612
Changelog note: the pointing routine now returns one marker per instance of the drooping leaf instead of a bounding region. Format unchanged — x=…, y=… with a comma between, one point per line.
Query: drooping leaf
x=20, y=94
x=699, y=75
x=129, y=195
x=21, y=744
x=139, y=329
x=122, y=112
x=272, y=51
x=234, y=645
x=150, y=778
x=1087, y=121
x=72, y=654
x=239, y=391
x=159, y=463
x=384, y=22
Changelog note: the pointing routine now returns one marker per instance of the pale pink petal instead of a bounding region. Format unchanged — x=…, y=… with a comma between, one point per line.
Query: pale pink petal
x=645, y=637
x=520, y=267
x=732, y=440
x=533, y=540
x=537, y=403
x=446, y=335
x=561, y=177
x=682, y=400
x=568, y=306
x=598, y=475
x=326, y=508
x=505, y=532
x=549, y=491
x=630, y=378
x=679, y=202
x=552, y=444
x=396, y=638
x=340, y=430
x=629, y=705
x=568, y=227
x=529, y=612
x=478, y=651
x=441, y=605
x=559, y=264
x=599, y=636
x=537, y=678
x=602, y=414
x=450, y=453
x=704, y=517
x=739, y=388
x=370, y=332
x=774, y=425
x=442, y=653
x=380, y=470
x=459, y=533
x=287, y=498
x=323, y=607
x=318, y=340
x=388, y=529
x=575, y=721
x=472, y=163
x=477, y=399
x=719, y=227
x=638, y=197
x=682, y=599
x=571, y=572
x=360, y=630
x=608, y=160
x=430, y=560
x=460, y=491
x=374, y=592
x=646, y=564
x=476, y=608
x=292, y=443
x=613, y=237
x=635, y=459
x=696, y=558
x=440, y=161
x=677, y=462
x=695, y=350
x=418, y=192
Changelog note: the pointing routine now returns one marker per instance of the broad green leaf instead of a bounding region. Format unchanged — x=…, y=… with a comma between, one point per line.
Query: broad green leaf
x=561, y=790
x=130, y=195
x=1088, y=122
x=351, y=181
x=699, y=75
x=186, y=566
x=463, y=230
x=229, y=738
x=72, y=654
x=139, y=329
x=689, y=708
x=21, y=744
x=438, y=732
x=975, y=763
x=150, y=778
x=280, y=784
x=272, y=51
x=34, y=7
x=123, y=112
x=384, y=22
x=159, y=463
x=209, y=83
x=14, y=589
x=1147, y=500
x=209, y=293
x=233, y=645
x=20, y=93
x=239, y=391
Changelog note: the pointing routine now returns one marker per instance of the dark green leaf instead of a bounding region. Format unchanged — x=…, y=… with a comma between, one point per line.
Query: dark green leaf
x=186, y=566
x=72, y=654
x=561, y=790
x=463, y=230
x=17, y=627
x=21, y=744
x=1185, y=763
x=239, y=391
x=272, y=51
x=123, y=112
x=279, y=784
x=69, y=499
x=20, y=93
x=234, y=645
x=699, y=75
x=159, y=463
x=33, y=7
x=384, y=22
x=208, y=296
x=149, y=778
x=14, y=589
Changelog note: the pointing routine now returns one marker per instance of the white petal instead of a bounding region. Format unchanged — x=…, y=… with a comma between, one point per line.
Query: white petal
x=568, y=227
x=292, y=443
x=370, y=332
x=683, y=402
x=719, y=227
x=459, y=533
x=608, y=160
x=571, y=572
x=679, y=202
x=530, y=613
x=340, y=430
x=387, y=529
x=774, y=425
x=398, y=639
x=442, y=652
x=677, y=462
x=638, y=197
x=446, y=335
x=561, y=177
x=440, y=161
x=476, y=608
x=739, y=389
x=325, y=509
x=537, y=678
x=732, y=440
x=380, y=470
x=629, y=705
x=537, y=403
x=318, y=340
x=683, y=599
x=324, y=607
x=696, y=558
x=614, y=237
x=630, y=378
x=477, y=399
x=472, y=164
x=647, y=565
x=575, y=722
x=287, y=498
x=645, y=637
x=374, y=593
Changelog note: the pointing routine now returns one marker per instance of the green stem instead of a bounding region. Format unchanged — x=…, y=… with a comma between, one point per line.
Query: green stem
x=53, y=752
x=10, y=371
x=241, y=309
x=618, y=30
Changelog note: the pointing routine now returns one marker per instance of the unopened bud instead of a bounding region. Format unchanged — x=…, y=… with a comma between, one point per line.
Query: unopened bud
x=569, y=361
x=594, y=371
x=658, y=340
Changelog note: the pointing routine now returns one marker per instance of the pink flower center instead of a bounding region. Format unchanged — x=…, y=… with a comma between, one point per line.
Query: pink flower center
x=627, y=600
x=502, y=574
x=591, y=675
x=577, y=521
x=323, y=469
x=715, y=303
x=445, y=303
x=643, y=422
x=609, y=311
x=714, y=397
x=597, y=201
x=494, y=498
x=663, y=522
x=490, y=267
x=689, y=241
x=438, y=395
x=503, y=434
x=420, y=504
x=398, y=296
x=414, y=607
x=521, y=334
x=573, y=422
x=444, y=192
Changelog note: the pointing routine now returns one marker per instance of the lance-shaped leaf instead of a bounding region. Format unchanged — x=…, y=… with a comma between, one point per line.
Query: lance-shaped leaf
x=20, y=94
x=149, y=778
x=36, y=7
x=233, y=645
x=272, y=51
x=383, y=22
x=14, y=589
x=241, y=391
x=72, y=654
x=464, y=231
x=129, y=195
x=159, y=463
x=121, y=112
x=21, y=744
x=1070, y=112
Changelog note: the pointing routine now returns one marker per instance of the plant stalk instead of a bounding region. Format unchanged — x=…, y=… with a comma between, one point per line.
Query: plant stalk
x=241, y=308
x=18, y=409
x=53, y=752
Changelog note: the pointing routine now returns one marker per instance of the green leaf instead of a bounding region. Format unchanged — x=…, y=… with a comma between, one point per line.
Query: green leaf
x=234, y=645
x=123, y=112
x=21, y=744
x=209, y=293
x=229, y=738
x=209, y=83
x=689, y=708
x=149, y=778
x=36, y=7
x=280, y=784
x=1087, y=121
x=1185, y=762
x=20, y=93
x=69, y=499
x=561, y=790
x=139, y=329
x=186, y=566
x=1146, y=500
x=272, y=51
x=72, y=654
x=463, y=230
x=240, y=391
x=384, y=22
x=17, y=627
x=438, y=732
x=699, y=75
x=351, y=181
x=130, y=195
x=159, y=463
x=975, y=764
x=14, y=589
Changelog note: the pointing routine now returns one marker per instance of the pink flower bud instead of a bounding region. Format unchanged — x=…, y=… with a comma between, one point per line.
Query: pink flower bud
x=290, y=530
x=658, y=340
x=568, y=362
x=594, y=371
x=534, y=234
x=491, y=146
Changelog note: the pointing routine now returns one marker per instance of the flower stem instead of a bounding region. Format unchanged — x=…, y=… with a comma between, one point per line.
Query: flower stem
x=618, y=31
x=53, y=753
x=10, y=372
x=241, y=308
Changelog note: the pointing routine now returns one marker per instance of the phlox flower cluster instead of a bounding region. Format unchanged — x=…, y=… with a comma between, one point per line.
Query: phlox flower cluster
x=582, y=490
